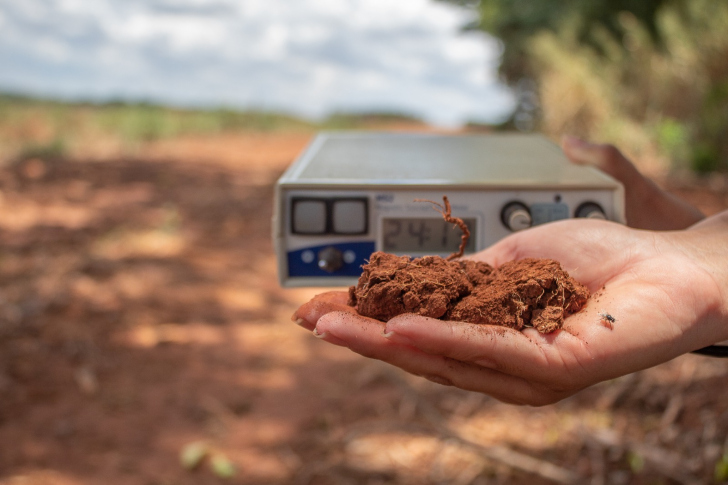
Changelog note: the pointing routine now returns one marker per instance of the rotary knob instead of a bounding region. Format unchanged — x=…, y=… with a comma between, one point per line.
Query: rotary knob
x=330, y=259
x=590, y=210
x=516, y=216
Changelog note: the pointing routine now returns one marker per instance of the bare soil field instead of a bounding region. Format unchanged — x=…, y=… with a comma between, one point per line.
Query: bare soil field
x=140, y=313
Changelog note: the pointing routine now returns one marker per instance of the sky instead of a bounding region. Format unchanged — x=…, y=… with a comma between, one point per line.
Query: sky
x=306, y=57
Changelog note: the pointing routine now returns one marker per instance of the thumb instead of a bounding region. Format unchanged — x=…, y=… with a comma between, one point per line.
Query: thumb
x=604, y=157
x=647, y=205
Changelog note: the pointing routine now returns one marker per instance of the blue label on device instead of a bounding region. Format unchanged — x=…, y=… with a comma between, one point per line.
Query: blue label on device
x=305, y=262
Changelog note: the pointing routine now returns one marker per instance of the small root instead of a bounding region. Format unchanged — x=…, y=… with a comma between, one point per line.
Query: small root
x=446, y=212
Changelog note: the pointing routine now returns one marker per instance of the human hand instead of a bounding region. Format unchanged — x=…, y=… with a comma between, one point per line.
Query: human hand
x=666, y=292
x=647, y=205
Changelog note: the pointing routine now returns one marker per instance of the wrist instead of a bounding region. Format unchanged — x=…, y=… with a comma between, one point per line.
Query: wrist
x=668, y=213
x=707, y=243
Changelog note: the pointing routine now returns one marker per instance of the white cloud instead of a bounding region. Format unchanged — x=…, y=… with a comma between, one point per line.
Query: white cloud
x=308, y=56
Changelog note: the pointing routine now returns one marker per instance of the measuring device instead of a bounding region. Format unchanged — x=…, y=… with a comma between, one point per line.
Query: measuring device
x=352, y=193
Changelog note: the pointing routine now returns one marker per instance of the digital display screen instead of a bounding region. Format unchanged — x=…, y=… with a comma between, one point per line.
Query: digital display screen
x=425, y=235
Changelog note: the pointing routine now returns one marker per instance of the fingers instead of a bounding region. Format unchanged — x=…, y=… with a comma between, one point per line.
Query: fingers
x=364, y=336
x=526, y=354
x=604, y=157
x=309, y=313
x=647, y=205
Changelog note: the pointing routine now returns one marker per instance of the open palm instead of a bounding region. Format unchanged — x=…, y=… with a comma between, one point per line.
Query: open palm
x=663, y=295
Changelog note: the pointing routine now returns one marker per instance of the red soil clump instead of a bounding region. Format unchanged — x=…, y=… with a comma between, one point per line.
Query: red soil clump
x=391, y=285
x=529, y=292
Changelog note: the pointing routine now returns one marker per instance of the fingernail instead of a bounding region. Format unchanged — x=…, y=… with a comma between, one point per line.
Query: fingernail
x=300, y=322
x=327, y=337
x=396, y=338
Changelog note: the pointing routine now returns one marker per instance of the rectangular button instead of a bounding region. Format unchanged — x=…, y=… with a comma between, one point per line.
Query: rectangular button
x=309, y=216
x=350, y=216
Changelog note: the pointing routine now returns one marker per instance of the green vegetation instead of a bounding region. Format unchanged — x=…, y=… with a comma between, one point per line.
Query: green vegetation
x=649, y=76
x=194, y=454
x=346, y=121
x=46, y=128
x=34, y=127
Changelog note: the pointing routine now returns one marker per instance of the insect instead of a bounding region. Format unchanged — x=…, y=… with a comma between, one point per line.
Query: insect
x=607, y=319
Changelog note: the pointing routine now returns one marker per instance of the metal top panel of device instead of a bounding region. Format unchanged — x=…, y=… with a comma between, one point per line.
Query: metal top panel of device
x=399, y=159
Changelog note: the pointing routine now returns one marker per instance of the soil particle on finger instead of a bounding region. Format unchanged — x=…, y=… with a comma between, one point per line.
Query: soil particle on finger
x=528, y=292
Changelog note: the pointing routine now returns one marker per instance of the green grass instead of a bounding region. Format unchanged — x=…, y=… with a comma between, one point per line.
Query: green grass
x=349, y=121
x=137, y=121
x=31, y=127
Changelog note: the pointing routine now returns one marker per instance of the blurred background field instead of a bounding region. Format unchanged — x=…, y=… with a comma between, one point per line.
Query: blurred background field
x=144, y=338
x=36, y=127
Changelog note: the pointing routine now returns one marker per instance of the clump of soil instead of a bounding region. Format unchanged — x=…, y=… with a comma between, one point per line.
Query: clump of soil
x=528, y=292
x=391, y=285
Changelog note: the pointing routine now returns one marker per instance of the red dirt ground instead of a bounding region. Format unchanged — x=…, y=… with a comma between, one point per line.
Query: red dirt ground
x=139, y=313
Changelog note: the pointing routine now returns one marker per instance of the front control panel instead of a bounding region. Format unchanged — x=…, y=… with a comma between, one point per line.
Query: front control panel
x=327, y=236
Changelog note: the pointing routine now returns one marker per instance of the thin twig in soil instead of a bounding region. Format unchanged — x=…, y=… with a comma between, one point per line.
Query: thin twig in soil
x=446, y=212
